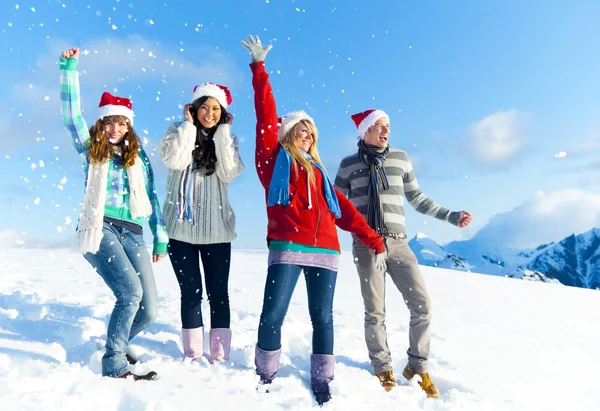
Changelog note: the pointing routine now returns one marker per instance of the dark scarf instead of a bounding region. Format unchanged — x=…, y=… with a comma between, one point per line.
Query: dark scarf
x=374, y=157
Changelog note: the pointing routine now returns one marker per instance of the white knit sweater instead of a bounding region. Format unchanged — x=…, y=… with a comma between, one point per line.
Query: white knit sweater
x=214, y=218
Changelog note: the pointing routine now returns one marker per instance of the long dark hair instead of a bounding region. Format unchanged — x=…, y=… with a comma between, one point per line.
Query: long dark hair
x=204, y=154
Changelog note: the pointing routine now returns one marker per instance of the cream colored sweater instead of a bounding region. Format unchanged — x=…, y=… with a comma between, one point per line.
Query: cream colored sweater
x=214, y=217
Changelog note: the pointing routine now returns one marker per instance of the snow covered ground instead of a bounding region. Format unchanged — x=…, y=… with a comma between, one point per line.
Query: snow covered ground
x=497, y=344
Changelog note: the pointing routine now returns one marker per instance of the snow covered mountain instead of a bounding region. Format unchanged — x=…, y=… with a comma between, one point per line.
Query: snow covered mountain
x=574, y=261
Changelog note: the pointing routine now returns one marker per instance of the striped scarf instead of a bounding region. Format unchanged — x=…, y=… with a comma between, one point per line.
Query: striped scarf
x=186, y=195
x=374, y=157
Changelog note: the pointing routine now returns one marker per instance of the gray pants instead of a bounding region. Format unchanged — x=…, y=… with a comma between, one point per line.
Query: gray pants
x=404, y=270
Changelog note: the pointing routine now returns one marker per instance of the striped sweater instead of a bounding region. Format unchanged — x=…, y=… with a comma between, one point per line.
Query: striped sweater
x=214, y=217
x=353, y=180
x=117, y=196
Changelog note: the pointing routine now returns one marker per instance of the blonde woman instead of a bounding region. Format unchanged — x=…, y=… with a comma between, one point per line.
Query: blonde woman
x=303, y=211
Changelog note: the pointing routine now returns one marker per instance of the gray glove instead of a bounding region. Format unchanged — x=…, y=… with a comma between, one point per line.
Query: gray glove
x=256, y=49
x=380, y=264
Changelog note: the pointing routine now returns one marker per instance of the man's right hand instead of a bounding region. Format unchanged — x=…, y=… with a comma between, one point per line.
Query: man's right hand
x=71, y=53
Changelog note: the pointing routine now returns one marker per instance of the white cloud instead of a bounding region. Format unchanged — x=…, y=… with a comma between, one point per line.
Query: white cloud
x=546, y=217
x=130, y=65
x=498, y=138
x=587, y=145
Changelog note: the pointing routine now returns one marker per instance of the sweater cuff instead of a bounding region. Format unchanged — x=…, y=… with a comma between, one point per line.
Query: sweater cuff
x=454, y=218
x=159, y=248
x=69, y=65
x=258, y=66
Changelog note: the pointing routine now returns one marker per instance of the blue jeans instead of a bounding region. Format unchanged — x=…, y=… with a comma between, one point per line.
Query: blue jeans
x=124, y=264
x=281, y=281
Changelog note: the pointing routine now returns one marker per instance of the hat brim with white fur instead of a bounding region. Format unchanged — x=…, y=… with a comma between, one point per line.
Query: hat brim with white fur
x=116, y=110
x=288, y=122
x=211, y=90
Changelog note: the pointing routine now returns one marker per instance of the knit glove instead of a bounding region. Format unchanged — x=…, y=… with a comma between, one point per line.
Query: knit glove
x=380, y=264
x=255, y=48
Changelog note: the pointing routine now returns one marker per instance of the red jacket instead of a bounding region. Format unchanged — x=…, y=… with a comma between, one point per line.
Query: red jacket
x=296, y=222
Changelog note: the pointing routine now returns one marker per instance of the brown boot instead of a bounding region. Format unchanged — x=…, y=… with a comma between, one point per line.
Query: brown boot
x=146, y=377
x=387, y=380
x=425, y=383
x=130, y=359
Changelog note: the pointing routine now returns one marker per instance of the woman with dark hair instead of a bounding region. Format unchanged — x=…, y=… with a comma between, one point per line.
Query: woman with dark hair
x=202, y=157
x=119, y=198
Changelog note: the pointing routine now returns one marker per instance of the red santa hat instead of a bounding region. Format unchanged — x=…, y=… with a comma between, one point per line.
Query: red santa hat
x=216, y=91
x=366, y=119
x=287, y=122
x=115, y=106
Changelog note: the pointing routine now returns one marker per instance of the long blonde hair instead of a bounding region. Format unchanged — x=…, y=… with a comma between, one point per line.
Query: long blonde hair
x=102, y=150
x=289, y=142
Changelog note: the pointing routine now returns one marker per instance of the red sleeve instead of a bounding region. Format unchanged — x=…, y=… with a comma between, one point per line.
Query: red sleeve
x=353, y=221
x=266, y=123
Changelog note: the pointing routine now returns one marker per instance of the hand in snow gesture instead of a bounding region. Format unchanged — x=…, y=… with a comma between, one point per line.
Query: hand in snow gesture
x=71, y=53
x=255, y=48
x=464, y=220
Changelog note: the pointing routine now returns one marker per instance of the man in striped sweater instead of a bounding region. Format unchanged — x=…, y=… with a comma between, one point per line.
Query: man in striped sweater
x=376, y=179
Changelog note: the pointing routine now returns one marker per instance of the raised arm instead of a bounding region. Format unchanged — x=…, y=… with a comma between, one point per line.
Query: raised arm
x=156, y=221
x=422, y=203
x=266, y=111
x=70, y=108
x=229, y=164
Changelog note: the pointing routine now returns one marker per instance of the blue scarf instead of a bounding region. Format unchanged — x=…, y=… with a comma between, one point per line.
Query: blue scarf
x=186, y=195
x=279, y=189
x=373, y=157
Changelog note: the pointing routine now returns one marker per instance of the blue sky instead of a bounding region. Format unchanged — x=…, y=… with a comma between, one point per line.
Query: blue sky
x=495, y=102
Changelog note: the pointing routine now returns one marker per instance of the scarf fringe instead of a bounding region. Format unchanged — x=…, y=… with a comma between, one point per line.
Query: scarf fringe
x=88, y=240
x=279, y=195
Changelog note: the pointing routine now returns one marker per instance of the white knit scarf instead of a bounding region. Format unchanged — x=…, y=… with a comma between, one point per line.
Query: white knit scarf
x=91, y=217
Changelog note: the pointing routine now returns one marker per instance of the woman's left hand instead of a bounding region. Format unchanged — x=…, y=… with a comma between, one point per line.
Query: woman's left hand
x=229, y=118
x=157, y=257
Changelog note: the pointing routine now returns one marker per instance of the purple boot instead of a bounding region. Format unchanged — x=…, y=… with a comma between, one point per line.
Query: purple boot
x=267, y=364
x=193, y=342
x=220, y=344
x=321, y=374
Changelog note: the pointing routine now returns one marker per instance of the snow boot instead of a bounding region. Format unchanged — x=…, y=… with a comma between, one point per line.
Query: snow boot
x=267, y=364
x=193, y=342
x=136, y=377
x=387, y=380
x=220, y=344
x=321, y=374
x=425, y=383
